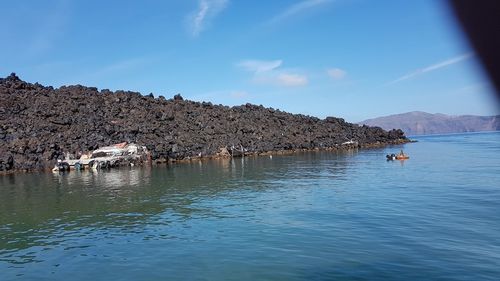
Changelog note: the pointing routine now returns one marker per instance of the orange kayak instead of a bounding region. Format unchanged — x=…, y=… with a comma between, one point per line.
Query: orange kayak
x=397, y=157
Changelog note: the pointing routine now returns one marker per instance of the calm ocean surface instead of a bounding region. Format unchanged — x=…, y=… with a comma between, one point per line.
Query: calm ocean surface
x=309, y=216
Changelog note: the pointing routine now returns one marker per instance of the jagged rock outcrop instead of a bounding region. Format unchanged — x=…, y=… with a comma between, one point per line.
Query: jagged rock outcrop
x=39, y=124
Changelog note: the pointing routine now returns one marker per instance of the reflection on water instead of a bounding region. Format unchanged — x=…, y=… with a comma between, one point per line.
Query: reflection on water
x=115, y=179
x=307, y=216
x=45, y=210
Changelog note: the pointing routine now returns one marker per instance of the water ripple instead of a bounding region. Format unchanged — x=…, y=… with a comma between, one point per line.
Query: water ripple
x=310, y=216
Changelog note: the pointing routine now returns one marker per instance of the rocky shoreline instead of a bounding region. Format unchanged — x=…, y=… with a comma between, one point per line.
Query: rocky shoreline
x=41, y=124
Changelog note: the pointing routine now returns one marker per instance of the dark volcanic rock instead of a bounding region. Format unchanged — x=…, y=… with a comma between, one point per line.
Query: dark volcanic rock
x=178, y=97
x=39, y=125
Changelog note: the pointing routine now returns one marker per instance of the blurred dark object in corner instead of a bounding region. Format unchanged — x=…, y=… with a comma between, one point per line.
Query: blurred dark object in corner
x=481, y=22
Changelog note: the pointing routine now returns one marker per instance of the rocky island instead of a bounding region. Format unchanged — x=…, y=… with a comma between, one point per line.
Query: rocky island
x=41, y=124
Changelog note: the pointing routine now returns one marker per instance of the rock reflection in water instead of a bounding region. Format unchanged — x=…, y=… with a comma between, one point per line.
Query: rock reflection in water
x=52, y=211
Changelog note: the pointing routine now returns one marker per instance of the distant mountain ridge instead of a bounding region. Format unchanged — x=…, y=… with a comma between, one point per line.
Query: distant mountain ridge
x=423, y=123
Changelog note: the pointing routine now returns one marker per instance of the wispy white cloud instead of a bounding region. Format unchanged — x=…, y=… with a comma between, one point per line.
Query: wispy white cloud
x=291, y=80
x=259, y=66
x=207, y=10
x=432, y=67
x=283, y=79
x=269, y=72
x=297, y=8
x=336, y=73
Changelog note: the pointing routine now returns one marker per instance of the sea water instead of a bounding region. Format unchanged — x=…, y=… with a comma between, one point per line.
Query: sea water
x=308, y=216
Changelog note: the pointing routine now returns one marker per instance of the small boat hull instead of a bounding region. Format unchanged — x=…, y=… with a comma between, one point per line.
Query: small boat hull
x=397, y=157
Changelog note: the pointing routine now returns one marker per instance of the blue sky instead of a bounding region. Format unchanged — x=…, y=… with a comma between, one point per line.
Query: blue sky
x=354, y=59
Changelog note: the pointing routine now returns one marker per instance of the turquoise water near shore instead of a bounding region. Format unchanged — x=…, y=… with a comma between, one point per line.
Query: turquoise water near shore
x=307, y=216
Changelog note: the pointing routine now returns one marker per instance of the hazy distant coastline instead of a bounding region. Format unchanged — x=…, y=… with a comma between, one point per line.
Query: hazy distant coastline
x=423, y=123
